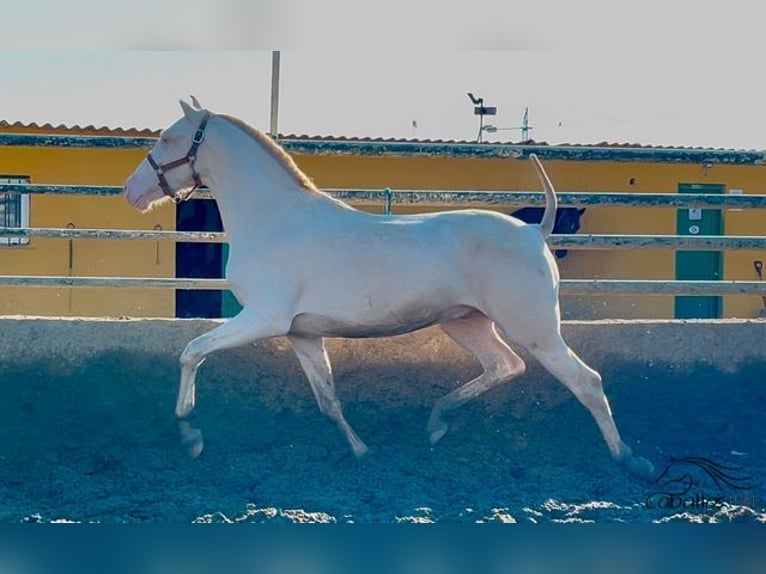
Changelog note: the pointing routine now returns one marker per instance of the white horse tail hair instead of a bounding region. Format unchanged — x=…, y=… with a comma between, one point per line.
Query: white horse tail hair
x=551, y=203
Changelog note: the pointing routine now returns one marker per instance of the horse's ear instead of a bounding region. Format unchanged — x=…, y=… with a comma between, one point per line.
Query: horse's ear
x=195, y=103
x=188, y=110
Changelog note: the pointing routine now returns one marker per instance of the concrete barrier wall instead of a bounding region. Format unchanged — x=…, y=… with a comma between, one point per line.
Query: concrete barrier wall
x=415, y=367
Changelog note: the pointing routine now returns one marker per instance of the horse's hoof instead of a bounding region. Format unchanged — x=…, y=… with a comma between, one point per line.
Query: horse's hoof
x=360, y=450
x=640, y=467
x=191, y=439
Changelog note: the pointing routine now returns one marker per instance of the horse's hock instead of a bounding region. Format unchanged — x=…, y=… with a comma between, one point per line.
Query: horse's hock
x=416, y=368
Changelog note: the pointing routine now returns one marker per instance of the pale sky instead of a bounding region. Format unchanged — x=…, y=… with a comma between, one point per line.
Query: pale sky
x=685, y=76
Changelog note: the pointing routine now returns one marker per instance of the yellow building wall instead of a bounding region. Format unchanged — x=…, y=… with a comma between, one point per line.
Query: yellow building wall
x=43, y=256
x=157, y=259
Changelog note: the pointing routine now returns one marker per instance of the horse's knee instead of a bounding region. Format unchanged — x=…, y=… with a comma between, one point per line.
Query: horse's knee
x=191, y=356
x=515, y=368
x=507, y=368
x=592, y=383
x=590, y=391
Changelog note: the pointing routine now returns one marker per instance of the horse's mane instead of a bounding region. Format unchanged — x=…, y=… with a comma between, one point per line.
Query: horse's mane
x=276, y=151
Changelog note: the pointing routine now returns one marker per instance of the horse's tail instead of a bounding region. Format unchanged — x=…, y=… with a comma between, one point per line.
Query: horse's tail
x=551, y=203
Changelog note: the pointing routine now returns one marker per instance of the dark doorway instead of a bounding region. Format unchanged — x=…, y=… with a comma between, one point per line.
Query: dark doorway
x=198, y=260
x=567, y=221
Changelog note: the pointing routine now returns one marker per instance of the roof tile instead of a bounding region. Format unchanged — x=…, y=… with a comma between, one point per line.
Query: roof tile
x=90, y=129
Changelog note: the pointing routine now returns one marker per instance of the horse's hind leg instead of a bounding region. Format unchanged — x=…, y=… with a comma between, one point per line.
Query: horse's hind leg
x=585, y=383
x=476, y=334
x=312, y=356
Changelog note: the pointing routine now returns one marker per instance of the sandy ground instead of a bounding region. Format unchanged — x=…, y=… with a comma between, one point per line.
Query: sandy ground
x=98, y=442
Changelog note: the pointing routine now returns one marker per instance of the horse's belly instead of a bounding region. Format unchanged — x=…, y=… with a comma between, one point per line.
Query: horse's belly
x=311, y=324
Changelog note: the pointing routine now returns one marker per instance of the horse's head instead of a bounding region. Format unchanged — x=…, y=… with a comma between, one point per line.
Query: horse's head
x=169, y=169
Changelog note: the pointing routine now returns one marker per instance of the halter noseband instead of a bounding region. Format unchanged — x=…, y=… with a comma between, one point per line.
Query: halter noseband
x=190, y=158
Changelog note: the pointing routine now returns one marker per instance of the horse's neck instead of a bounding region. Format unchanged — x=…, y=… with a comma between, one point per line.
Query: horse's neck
x=249, y=184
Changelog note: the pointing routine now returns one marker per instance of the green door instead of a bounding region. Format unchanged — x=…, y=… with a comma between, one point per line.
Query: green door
x=699, y=265
x=229, y=304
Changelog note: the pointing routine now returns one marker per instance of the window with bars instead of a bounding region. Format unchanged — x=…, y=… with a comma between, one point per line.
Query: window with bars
x=14, y=211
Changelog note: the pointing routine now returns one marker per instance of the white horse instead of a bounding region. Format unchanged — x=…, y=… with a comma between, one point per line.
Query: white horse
x=306, y=266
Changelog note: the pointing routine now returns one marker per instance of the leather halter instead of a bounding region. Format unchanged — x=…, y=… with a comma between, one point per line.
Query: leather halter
x=190, y=158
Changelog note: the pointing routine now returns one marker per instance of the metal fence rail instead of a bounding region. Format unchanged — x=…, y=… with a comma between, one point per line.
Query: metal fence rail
x=677, y=242
x=122, y=234
x=568, y=286
x=533, y=198
x=132, y=282
x=563, y=241
x=460, y=197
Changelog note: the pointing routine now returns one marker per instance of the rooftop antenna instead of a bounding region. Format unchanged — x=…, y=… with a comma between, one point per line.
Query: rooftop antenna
x=525, y=127
x=481, y=110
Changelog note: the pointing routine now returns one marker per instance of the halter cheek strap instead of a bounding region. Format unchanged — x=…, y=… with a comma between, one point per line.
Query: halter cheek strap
x=190, y=158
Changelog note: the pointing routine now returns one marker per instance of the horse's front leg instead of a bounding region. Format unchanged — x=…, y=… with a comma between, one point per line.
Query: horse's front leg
x=247, y=327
